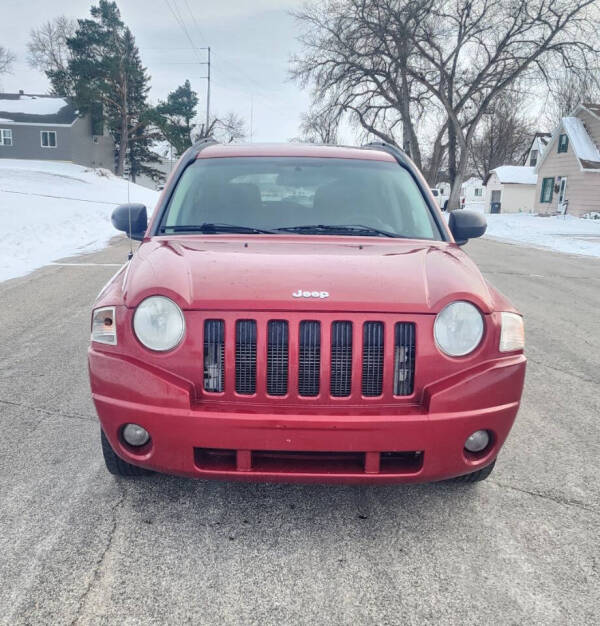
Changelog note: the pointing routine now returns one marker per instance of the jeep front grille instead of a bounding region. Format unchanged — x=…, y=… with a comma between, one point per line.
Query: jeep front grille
x=309, y=359
x=372, y=363
x=341, y=359
x=245, y=357
x=214, y=355
x=277, y=358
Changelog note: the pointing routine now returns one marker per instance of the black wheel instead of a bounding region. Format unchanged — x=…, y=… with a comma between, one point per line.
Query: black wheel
x=475, y=477
x=115, y=464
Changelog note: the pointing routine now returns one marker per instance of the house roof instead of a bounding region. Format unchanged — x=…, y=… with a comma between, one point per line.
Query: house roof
x=514, y=175
x=22, y=108
x=594, y=109
x=473, y=181
x=539, y=142
x=584, y=148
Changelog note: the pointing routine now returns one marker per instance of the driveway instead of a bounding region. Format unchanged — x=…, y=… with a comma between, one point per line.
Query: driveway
x=78, y=546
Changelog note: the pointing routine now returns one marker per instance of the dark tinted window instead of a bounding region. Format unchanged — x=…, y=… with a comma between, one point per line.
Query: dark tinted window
x=273, y=193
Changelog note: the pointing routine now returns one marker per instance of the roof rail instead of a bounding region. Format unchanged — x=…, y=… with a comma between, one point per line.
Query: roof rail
x=199, y=145
x=390, y=148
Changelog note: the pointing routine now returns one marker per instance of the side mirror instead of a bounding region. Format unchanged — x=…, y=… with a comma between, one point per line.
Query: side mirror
x=465, y=225
x=132, y=219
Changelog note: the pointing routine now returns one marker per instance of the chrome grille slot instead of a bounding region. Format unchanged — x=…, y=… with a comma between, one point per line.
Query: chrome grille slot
x=214, y=355
x=245, y=357
x=309, y=359
x=404, y=358
x=277, y=358
x=372, y=365
x=341, y=359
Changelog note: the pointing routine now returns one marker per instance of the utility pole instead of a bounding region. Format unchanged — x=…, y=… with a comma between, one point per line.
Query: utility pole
x=251, y=117
x=208, y=94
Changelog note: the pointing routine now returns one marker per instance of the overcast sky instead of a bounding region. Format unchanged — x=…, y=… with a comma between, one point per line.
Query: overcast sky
x=251, y=43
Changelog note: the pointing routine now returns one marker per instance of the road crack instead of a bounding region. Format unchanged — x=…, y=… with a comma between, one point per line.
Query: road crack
x=100, y=560
x=563, y=371
x=22, y=405
x=569, y=502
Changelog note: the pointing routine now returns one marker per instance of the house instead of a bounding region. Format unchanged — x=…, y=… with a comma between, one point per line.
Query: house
x=510, y=189
x=471, y=194
x=536, y=149
x=45, y=127
x=569, y=170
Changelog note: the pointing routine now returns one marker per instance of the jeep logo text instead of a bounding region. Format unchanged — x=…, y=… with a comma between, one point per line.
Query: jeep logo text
x=310, y=294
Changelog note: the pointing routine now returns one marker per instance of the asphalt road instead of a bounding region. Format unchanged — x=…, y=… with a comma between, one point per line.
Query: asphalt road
x=78, y=546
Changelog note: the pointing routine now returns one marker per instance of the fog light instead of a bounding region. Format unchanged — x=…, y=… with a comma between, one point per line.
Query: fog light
x=478, y=441
x=135, y=435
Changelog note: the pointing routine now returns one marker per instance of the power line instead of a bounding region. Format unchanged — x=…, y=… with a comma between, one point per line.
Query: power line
x=175, y=11
x=183, y=27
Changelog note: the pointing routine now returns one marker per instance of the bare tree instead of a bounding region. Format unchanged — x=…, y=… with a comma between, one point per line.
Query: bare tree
x=226, y=129
x=567, y=90
x=47, y=49
x=319, y=126
x=379, y=57
x=7, y=58
x=355, y=69
x=503, y=136
x=472, y=51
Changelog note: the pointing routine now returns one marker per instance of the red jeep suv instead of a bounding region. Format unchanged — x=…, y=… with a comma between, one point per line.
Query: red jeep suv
x=302, y=313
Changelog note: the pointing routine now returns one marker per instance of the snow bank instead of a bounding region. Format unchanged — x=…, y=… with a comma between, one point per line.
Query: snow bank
x=32, y=105
x=50, y=210
x=568, y=234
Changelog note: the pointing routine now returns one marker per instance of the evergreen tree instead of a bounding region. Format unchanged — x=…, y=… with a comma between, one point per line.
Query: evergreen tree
x=175, y=117
x=109, y=80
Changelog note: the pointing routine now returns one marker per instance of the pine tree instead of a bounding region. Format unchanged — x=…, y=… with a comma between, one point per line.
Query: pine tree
x=175, y=117
x=109, y=81
x=140, y=134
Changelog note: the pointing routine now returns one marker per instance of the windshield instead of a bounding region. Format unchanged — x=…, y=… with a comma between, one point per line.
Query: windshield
x=302, y=195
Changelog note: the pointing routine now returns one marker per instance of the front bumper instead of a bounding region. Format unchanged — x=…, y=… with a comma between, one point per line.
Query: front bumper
x=424, y=443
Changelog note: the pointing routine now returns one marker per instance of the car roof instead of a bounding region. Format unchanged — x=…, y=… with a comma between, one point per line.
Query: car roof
x=219, y=150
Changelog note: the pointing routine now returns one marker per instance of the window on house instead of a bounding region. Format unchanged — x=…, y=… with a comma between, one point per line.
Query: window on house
x=563, y=143
x=48, y=138
x=547, y=188
x=6, y=138
x=533, y=157
x=478, y=192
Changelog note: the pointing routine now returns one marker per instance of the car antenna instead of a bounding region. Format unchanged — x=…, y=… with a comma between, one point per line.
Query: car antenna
x=130, y=255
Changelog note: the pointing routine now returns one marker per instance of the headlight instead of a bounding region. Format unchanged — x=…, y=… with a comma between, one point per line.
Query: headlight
x=458, y=328
x=512, y=335
x=159, y=323
x=104, y=325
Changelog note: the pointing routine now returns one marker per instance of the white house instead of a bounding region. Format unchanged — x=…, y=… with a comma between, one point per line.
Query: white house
x=569, y=170
x=536, y=149
x=510, y=189
x=472, y=194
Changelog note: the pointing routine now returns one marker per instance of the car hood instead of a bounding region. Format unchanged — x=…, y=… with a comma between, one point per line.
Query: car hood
x=325, y=273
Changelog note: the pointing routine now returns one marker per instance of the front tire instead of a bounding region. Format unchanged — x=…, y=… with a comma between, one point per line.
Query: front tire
x=475, y=477
x=115, y=464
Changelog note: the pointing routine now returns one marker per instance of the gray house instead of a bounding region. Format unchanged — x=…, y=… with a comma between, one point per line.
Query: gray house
x=49, y=128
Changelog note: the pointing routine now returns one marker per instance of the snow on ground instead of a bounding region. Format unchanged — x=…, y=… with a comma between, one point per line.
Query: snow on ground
x=568, y=234
x=51, y=209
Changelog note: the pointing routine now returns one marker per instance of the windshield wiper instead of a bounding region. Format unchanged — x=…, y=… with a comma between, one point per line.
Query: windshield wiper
x=210, y=227
x=358, y=229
